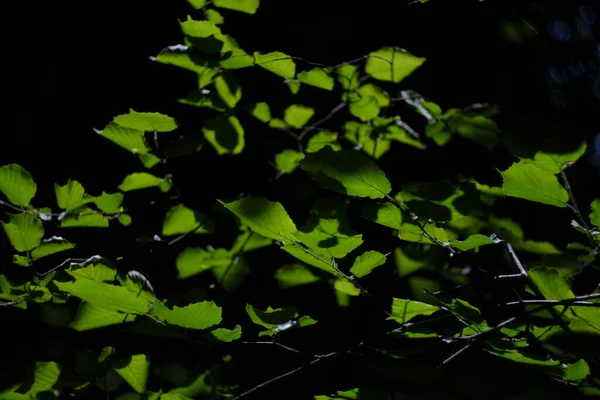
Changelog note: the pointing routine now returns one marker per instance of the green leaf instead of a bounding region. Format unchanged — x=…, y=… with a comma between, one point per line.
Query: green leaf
x=261, y=112
x=130, y=139
x=385, y=214
x=366, y=108
x=143, y=180
x=404, y=310
x=199, y=315
x=551, y=284
x=318, y=77
x=84, y=217
x=51, y=246
x=408, y=261
x=24, y=231
x=365, y=263
x=134, y=370
x=183, y=57
x=473, y=242
x=298, y=115
x=347, y=172
x=348, y=77
x=21, y=261
x=17, y=184
x=203, y=35
x=110, y=203
x=225, y=134
x=125, y=219
x=577, y=371
x=278, y=63
x=146, y=121
x=264, y=217
x=345, y=286
x=277, y=320
x=293, y=275
x=197, y=4
x=233, y=57
x=232, y=275
x=529, y=182
x=556, y=162
x=322, y=139
x=226, y=335
x=69, y=196
x=294, y=85
x=180, y=220
x=104, y=295
x=315, y=257
x=595, y=214
x=228, y=89
x=246, y=6
x=475, y=127
x=192, y=261
x=288, y=160
x=90, y=317
x=391, y=64
x=412, y=232
x=248, y=241
x=214, y=16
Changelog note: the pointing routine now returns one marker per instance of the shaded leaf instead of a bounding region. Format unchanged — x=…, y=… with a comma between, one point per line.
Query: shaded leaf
x=225, y=134
x=181, y=220
x=293, y=275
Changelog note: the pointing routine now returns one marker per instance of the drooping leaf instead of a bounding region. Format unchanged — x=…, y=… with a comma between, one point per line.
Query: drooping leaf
x=50, y=246
x=134, y=370
x=264, y=217
x=143, y=180
x=293, y=275
x=246, y=6
x=278, y=63
x=199, y=315
x=294, y=85
x=365, y=263
x=288, y=160
x=298, y=115
x=225, y=134
x=391, y=64
x=526, y=181
x=24, y=231
x=17, y=184
x=404, y=310
x=181, y=220
x=347, y=172
x=146, y=121
x=318, y=77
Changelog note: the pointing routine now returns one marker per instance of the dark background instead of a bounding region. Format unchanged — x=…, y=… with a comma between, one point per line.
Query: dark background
x=71, y=68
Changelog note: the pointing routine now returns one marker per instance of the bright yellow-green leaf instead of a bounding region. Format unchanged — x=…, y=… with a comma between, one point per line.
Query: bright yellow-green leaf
x=128, y=138
x=366, y=262
x=180, y=220
x=51, y=246
x=225, y=134
x=90, y=317
x=226, y=335
x=84, y=217
x=278, y=63
x=391, y=64
x=348, y=77
x=348, y=172
x=197, y=4
x=214, y=16
x=24, y=231
x=315, y=257
x=246, y=6
x=17, y=184
x=551, y=284
x=298, y=115
x=70, y=195
x=182, y=57
x=404, y=310
x=134, y=370
x=288, y=160
x=345, y=286
x=200, y=315
x=595, y=214
x=110, y=203
x=228, y=89
x=294, y=85
x=318, y=77
x=322, y=139
x=146, y=121
x=261, y=111
x=529, y=182
x=365, y=108
x=203, y=35
x=555, y=162
x=143, y=180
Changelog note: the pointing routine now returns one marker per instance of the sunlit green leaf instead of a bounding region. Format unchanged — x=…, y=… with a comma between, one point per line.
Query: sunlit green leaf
x=110, y=203
x=146, y=121
x=298, y=115
x=577, y=371
x=50, y=246
x=294, y=85
x=226, y=335
x=346, y=286
x=529, y=182
x=134, y=370
x=90, y=317
x=348, y=77
x=225, y=134
x=214, y=16
x=143, y=180
x=473, y=242
x=261, y=111
x=322, y=139
x=404, y=310
x=24, y=231
x=228, y=89
x=551, y=284
x=318, y=77
x=595, y=214
x=366, y=262
x=181, y=220
x=293, y=275
x=246, y=6
x=17, y=184
x=70, y=195
x=391, y=64
x=288, y=160
x=347, y=172
x=385, y=214
x=183, y=57
x=278, y=63
x=199, y=315
x=84, y=217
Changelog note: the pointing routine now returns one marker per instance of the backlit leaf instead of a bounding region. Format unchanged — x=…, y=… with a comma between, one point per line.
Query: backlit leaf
x=288, y=160
x=293, y=275
x=146, y=121
x=24, y=231
x=17, y=184
x=298, y=115
x=529, y=182
x=51, y=246
x=143, y=180
x=246, y=6
x=135, y=371
x=318, y=77
x=199, y=315
x=225, y=134
x=181, y=220
x=391, y=64
x=278, y=63
x=404, y=310
x=365, y=263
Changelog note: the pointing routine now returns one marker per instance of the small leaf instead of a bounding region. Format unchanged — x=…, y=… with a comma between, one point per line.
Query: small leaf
x=261, y=111
x=293, y=275
x=110, y=203
x=129, y=139
x=135, y=371
x=347, y=172
x=595, y=214
x=180, y=220
x=346, y=286
x=225, y=134
x=246, y=6
x=529, y=182
x=264, y=217
x=228, y=89
x=278, y=63
x=298, y=115
x=143, y=180
x=318, y=77
x=385, y=214
x=17, y=184
x=294, y=85
x=288, y=160
x=348, y=77
x=70, y=195
x=214, y=16
x=391, y=64
x=125, y=219
x=146, y=121
x=84, y=217
x=365, y=263
x=322, y=139
x=24, y=231
x=51, y=246
x=226, y=335
x=473, y=242
x=404, y=310
x=200, y=315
